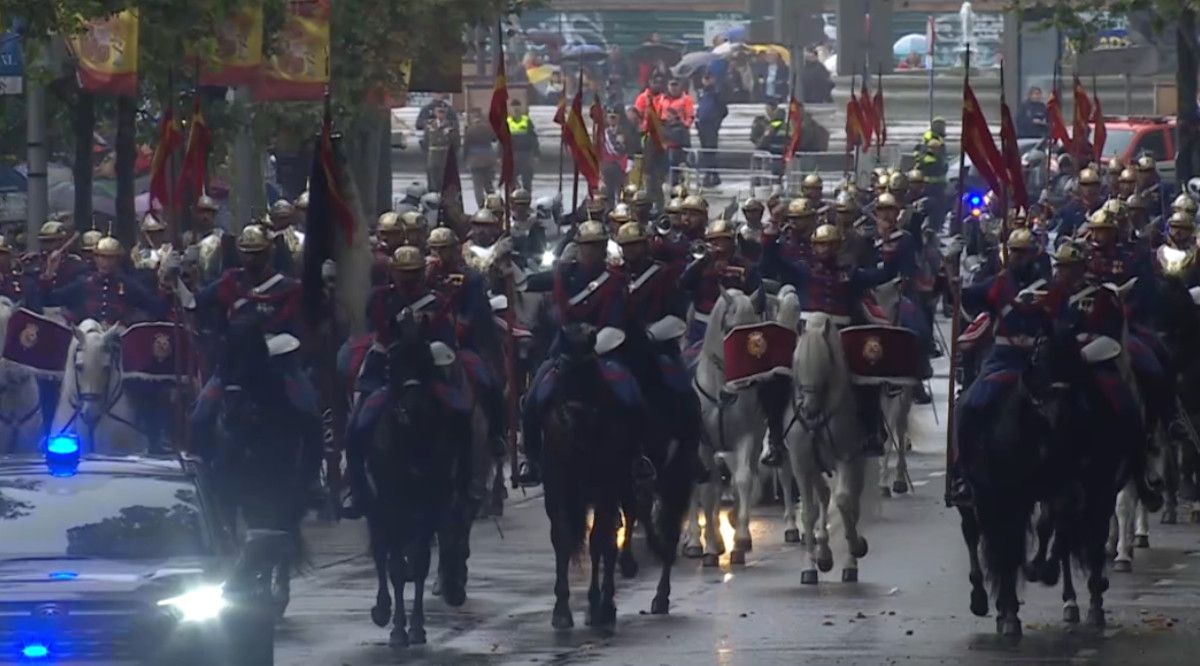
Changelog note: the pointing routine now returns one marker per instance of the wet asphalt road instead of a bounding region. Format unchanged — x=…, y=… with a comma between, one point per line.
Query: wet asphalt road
x=910, y=605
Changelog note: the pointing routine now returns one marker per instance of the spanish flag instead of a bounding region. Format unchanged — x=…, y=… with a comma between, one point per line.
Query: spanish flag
x=575, y=133
x=854, y=124
x=1083, y=114
x=867, y=114
x=170, y=137
x=498, y=117
x=796, y=115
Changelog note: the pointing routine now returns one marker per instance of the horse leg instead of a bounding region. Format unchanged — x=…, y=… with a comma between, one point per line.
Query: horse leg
x=1171, y=477
x=885, y=463
x=398, y=570
x=1045, y=528
x=1097, y=582
x=744, y=482
x=713, y=544
x=381, y=613
x=560, y=538
x=970, y=531
x=629, y=564
x=607, y=611
x=899, y=436
x=419, y=561
x=1126, y=506
x=1141, y=527
x=673, y=502
x=693, y=546
x=824, y=501
x=791, y=534
x=850, y=482
x=810, y=512
x=1070, y=604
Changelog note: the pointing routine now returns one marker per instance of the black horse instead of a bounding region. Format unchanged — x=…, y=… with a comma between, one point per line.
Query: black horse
x=418, y=465
x=588, y=455
x=261, y=471
x=1179, y=324
x=671, y=440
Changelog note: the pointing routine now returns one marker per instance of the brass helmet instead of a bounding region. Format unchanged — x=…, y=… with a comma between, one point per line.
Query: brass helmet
x=696, y=203
x=282, y=208
x=521, y=196
x=1127, y=176
x=679, y=191
x=89, y=240
x=52, y=230
x=916, y=177
x=1021, y=239
x=151, y=224
x=411, y=220
x=1115, y=208
x=483, y=216
x=641, y=198
x=879, y=177
x=1182, y=220
x=254, y=238
x=206, y=202
x=1184, y=203
x=719, y=228
x=408, y=258
x=827, y=233
x=389, y=221
x=620, y=214
x=1146, y=163
x=590, y=232
x=1089, y=177
x=1101, y=220
x=812, y=180
x=845, y=203
x=595, y=203
x=1137, y=202
x=109, y=247
x=629, y=192
x=800, y=208
x=1115, y=166
x=630, y=233
x=675, y=205
x=886, y=201
x=1068, y=253
x=493, y=202
x=898, y=182
x=443, y=237
x=990, y=198
x=752, y=204
x=301, y=202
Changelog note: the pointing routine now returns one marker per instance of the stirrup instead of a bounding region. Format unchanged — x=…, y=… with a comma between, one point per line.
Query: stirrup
x=643, y=471
x=528, y=475
x=773, y=456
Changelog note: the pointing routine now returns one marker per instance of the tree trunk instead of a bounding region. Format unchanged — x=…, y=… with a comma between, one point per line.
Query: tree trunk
x=125, y=228
x=363, y=143
x=1187, y=161
x=385, y=194
x=84, y=122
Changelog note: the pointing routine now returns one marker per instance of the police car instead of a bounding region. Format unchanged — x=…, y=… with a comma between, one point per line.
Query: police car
x=125, y=560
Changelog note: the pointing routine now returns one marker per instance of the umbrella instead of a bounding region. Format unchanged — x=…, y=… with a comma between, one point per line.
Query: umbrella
x=694, y=61
x=737, y=33
x=649, y=52
x=728, y=48
x=784, y=54
x=583, y=53
x=910, y=43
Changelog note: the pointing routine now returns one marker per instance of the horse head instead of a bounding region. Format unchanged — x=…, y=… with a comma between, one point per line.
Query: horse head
x=252, y=389
x=410, y=371
x=887, y=297
x=734, y=308
x=818, y=374
x=97, y=365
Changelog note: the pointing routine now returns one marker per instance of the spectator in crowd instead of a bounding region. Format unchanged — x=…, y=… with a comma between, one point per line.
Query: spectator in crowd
x=710, y=113
x=479, y=154
x=760, y=125
x=1031, y=116
x=680, y=101
x=554, y=89
x=441, y=137
x=616, y=67
x=772, y=81
x=650, y=97
x=740, y=79
x=614, y=158
x=679, y=139
x=426, y=112
x=631, y=130
x=818, y=84
x=911, y=62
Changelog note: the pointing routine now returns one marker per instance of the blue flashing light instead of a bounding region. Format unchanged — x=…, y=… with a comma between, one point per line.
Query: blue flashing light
x=974, y=200
x=63, y=575
x=63, y=445
x=35, y=651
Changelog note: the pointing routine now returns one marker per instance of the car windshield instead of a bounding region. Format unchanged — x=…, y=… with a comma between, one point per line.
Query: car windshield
x=1117, y=142
x=106, y=516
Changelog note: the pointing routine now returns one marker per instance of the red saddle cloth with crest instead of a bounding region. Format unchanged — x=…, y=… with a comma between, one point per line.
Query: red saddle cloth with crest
x=756, y=352
x=37, y=343
x=882, y=354
x=156, y=350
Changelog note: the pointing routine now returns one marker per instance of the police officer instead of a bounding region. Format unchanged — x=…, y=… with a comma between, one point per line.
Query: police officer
x=524, y=141
x=930, y=157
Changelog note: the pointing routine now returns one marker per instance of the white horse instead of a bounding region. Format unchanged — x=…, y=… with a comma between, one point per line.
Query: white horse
x=824, y=435
x=732, y=432
x=20, y=409
x=93, y=404
x=896, y=400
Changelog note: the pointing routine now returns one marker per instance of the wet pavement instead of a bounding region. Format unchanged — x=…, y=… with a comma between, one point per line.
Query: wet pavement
x=910, y=605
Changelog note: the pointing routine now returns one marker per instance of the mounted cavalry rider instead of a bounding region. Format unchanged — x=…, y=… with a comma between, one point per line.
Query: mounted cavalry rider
x=749, y=234
x=389, y=236
x=150, y=250
x=718, y=269
x=681, y=240
x=106, y=294
x=478, y=251
x=258, y=290
x=1150, y=187
x=1011, y=298
x=1127, y=183
x=53, y=241
x=590, y=291
x=825, y=283
x=288, y=240
x=813, y=189
x=208, y=247
x=799, y=225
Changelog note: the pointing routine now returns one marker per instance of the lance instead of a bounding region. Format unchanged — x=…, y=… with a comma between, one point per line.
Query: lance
x=956, y=317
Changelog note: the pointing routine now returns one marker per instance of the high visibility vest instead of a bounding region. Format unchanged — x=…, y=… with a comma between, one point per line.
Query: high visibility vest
x=776, y=124
x=518, y=125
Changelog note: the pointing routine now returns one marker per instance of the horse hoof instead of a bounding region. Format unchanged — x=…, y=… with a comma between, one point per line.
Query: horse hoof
x=562, y=620
x=899, y=487
x=454, y=596
x=1009, y=627
x=825, y=564
x=1032, y=572
x=1141, y=541
x=381, y=615
x=629, y=567
x=1071, y=614
x=1049, y=573
x=859, y=550
x=791, y=536
x=693, y=552
x=849, y=575
x=417, y=636
x=979, y=602
x=660, y=606
x=743, y=544
x=1170, y=516
x=398, y=639
x=710, y=560
x=737, y=557
x=1122, y=566
x=885, y=492
x=808, y=577
x=1095, y=618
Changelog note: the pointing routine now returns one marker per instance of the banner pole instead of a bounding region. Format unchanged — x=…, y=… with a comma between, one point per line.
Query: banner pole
x=956, y=317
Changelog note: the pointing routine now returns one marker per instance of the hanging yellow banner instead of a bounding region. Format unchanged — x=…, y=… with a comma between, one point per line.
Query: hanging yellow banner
x=108, y=54
x=299, y=68
x=239, y=51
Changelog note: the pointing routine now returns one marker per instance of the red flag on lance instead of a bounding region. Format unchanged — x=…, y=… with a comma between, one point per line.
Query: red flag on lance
x=854, y=123
x=498, y=117
x=328, y=211
x=978, y=144
x=170, y=137
x=796, y=115
x=867, y=114
x=149, y=349
x=1058, y=128
x=37, y=343
x=1100, y=130
x=756, y=352
x=192, y=176
x=1080, y=146
x=1011, y=153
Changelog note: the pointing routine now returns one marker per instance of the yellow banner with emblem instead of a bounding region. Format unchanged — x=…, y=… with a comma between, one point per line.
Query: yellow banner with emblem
x=298, y=70
x=107, y=54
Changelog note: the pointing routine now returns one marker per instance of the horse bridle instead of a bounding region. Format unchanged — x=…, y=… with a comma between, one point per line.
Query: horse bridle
x=116, y=389
x=821, y=424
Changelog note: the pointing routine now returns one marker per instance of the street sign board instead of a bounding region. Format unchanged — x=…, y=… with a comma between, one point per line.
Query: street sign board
x=12, y=64
x=1139, y=60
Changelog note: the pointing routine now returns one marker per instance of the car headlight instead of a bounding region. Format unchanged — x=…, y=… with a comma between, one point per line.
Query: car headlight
x=547, y=259
x=199, y=604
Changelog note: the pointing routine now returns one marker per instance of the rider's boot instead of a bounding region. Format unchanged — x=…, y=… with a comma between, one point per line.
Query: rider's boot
x=356, y=494
x=530, y=472
x=773, y=395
